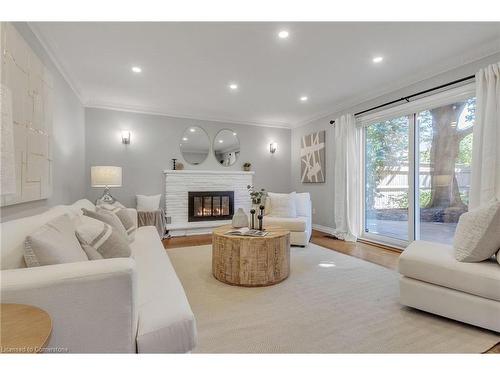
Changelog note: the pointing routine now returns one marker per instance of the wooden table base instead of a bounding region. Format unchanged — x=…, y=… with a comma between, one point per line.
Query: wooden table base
x=251, y=261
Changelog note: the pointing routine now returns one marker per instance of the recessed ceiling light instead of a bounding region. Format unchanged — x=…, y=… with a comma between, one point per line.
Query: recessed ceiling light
x=184, y=139
x=221, y=141
x=192, y=130
x=283, y=34
x=233, y=86
x=234, y=133
x=136, y=69
x=304, y=98
x=377, y=59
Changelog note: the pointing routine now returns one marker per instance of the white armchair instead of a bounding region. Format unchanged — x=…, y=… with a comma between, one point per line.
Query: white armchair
x=300, y=227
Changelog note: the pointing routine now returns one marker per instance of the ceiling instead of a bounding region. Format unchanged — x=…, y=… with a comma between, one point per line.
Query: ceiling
x=187, y=67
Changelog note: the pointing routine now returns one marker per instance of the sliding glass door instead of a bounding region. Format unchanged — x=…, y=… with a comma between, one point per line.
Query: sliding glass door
x=445, y=153
x=417, y=161
x=386, y=177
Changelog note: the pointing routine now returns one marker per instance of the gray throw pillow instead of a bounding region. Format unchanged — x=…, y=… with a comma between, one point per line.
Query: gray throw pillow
x=125, y=216
x=477, y=237
x=99, y=240
x=53, y=243
x=107, y=217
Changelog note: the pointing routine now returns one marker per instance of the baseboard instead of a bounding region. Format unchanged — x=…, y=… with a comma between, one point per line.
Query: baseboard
x=324, y=229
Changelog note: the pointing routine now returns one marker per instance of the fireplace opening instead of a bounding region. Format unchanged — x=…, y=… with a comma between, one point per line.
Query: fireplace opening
x=210, y=205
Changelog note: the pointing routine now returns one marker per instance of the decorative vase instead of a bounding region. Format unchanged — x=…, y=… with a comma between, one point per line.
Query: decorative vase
x=246, y=169
x=240, y=219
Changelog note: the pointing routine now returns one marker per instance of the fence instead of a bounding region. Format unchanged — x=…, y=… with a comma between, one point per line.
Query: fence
x=392, y=191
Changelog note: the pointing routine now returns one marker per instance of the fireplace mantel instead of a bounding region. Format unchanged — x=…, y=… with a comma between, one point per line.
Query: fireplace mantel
x=197, y=171
x=178, y=184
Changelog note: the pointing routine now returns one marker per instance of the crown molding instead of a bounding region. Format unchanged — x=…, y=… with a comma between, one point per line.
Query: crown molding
x=189, y=116
x=484, y=51
x=51, y=51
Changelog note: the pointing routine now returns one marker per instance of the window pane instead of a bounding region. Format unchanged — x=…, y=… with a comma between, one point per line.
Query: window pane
x=386, y=178
x=445, y=153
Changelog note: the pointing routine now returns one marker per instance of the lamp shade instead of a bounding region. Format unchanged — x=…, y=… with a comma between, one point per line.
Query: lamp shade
x=106, y=176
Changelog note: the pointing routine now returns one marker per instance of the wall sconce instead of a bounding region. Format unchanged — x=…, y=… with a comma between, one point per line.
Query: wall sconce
x=273, y=147
x=125, y=137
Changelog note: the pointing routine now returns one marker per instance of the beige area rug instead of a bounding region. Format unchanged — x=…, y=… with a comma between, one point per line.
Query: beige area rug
x=331, y=303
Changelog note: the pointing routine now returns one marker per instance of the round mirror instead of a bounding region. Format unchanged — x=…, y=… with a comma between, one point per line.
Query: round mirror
x=195, y=145
x=226, y=147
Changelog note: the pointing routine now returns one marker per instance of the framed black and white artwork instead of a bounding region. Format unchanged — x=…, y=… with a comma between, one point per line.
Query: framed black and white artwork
x=312, y=157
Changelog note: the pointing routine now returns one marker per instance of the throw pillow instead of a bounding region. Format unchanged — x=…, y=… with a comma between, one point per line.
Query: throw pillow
x=99, y=240
x=125, y=216
x=477, y=236
x=148, y=202
x=107, y=217
x=53, y=243
x=283, y=205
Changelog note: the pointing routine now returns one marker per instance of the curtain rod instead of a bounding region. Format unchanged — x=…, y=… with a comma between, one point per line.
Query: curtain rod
x=407, y=98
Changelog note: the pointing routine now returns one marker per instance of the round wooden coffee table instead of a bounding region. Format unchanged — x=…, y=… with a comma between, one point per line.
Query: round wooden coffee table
x=251, y=261
x=25, y=328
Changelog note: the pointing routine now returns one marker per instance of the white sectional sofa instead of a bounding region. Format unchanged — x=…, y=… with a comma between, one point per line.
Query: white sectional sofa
x=434, y=281
x=300, y=227
x=123, y=305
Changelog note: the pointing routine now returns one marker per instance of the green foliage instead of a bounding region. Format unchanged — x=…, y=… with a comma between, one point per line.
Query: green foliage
x=386, y=149
x=256, y=195
x=401, y=201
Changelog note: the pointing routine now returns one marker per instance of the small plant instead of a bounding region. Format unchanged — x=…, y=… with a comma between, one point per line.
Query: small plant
x=246, y=166
x=256, y=195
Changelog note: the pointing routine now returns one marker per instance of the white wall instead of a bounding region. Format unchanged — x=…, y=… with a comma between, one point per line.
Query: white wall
x=68, y=137
x=155, y=141
x=322, y=194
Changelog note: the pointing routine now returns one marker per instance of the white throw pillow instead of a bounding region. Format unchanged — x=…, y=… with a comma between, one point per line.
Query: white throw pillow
x=148, y=202
x=283, y=205
x=477, y=236
x=53, y=243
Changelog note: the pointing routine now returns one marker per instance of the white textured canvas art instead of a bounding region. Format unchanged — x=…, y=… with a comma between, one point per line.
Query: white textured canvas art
x=25, y=122
x=312, y=157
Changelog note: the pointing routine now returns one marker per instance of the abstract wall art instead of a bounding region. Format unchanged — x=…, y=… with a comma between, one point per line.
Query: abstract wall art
x=26, y=121
x=312, y=157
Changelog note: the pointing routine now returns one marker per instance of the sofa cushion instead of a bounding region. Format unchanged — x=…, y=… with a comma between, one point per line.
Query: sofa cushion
x=282, y=205
x=477, y=237
x=166, y=322
x=125, y=215
x=108, y=217
x=53, y=243
x=303, y=203
x=295, y=224
x=12, y=246
x=435, y=263
x=99, y=240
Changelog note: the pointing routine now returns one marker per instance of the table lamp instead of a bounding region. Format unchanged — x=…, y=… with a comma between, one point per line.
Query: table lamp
x=106, y=177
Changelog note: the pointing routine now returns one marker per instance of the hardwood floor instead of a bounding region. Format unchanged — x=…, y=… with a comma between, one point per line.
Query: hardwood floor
x=371, y=253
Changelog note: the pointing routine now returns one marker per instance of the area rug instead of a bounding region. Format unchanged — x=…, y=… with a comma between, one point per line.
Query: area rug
x=331, y=303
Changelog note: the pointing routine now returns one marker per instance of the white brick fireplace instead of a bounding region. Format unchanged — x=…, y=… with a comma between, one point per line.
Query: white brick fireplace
x=179, y=183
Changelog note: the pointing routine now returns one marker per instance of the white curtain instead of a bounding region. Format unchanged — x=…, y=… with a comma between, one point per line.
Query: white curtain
x=347, y=184
x=485, y=178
